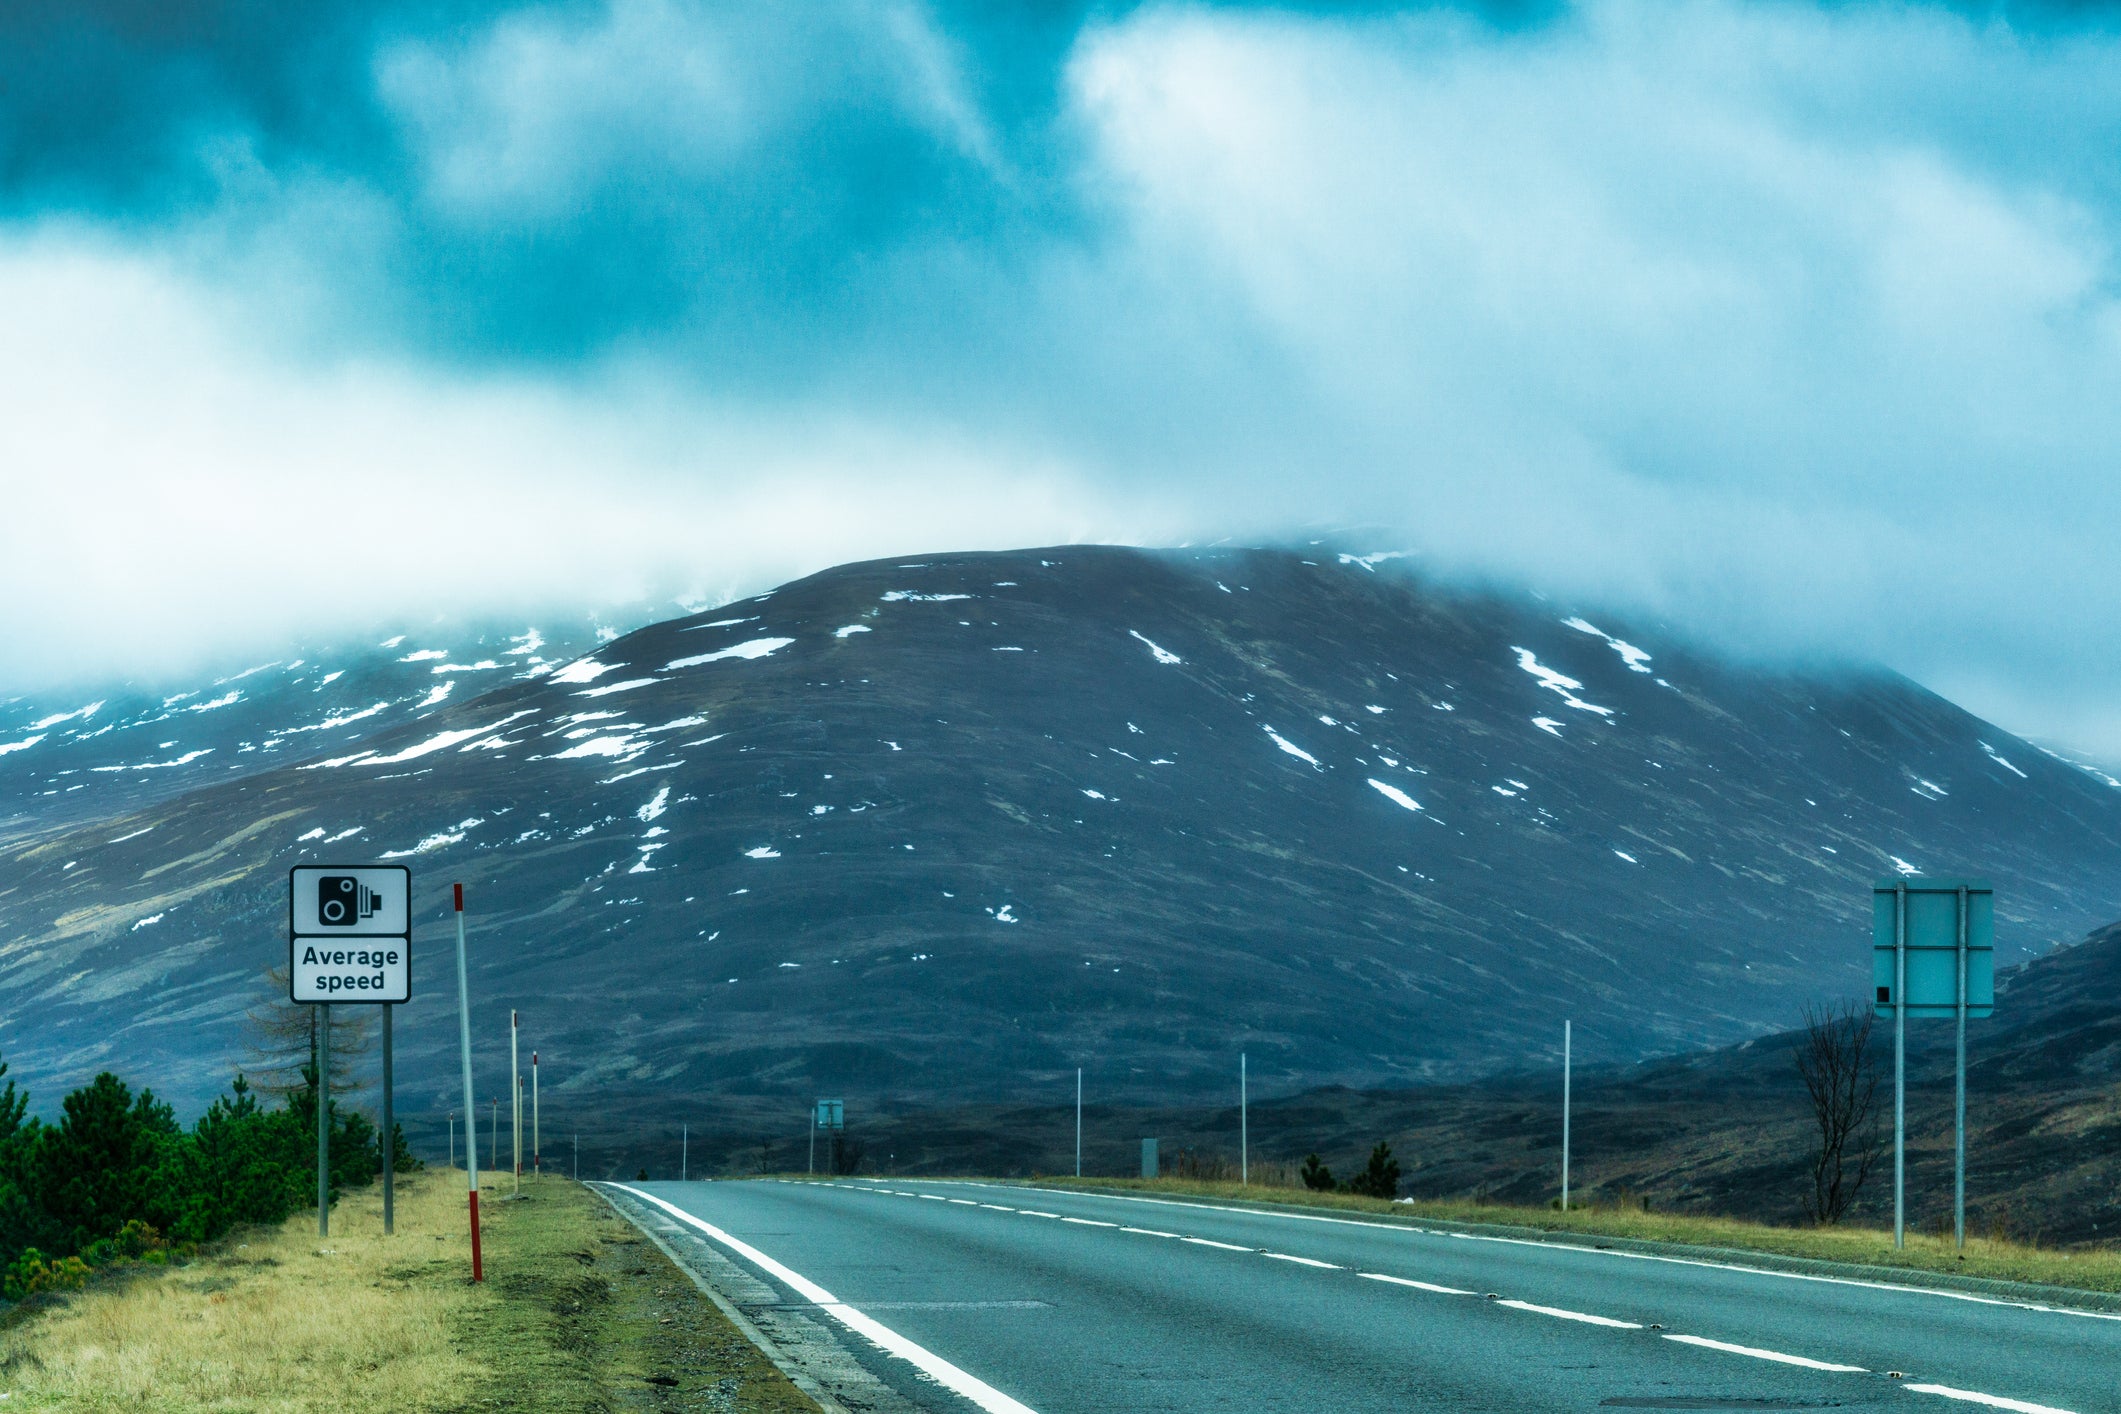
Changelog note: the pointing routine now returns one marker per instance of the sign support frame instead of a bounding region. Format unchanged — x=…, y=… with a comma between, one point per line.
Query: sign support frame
x=389, y=1144
x=323, y=1022
x=1900, y=1064
x=1959, y=1091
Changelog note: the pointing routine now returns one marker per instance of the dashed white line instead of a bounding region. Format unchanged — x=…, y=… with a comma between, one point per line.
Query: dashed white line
x=997, y=1207
x=1993, y=1401
x=1417, y=1285
x=1211, y=1242
x=944, y=1373
x=1303, y=1261
x=1584, y=1316
x=1582, y=1250
x=1148, y=1232
x=1035, y=1213
x=962, y=1202
x=1758, y=1354
x=1088, y=1222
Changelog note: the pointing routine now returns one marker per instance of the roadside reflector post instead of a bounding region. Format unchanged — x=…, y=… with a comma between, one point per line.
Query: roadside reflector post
x=1568, y=1037
x=324, y=1119
x=471, y=1124
x=515, y=1101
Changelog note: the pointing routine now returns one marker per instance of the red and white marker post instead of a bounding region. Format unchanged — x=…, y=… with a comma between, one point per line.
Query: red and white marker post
x=471, y=1131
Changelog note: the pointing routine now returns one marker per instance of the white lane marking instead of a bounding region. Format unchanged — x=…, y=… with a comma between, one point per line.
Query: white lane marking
x=1584, y=1251
x=1210, y=1242
x=962, y=1202
x=1088, y=1222
x=1035, y=1213
x=1583, y=1316
x=944, y=1373
x=1758, y=1354
x=932, y=1197
x=1417, y=1285
x=997, y=1207
x=1148, y=1232
x=1993, y=1401
x=1303, y=1261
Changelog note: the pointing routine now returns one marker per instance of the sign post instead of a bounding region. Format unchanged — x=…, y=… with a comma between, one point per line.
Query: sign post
x=1933, y=955
x=830, y=1116
x=349, y=939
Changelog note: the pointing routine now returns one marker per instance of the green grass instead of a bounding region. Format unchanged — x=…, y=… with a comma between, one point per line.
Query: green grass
x=1996, y=1259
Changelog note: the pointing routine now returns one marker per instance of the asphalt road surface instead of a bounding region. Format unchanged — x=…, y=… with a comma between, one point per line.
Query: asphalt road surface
x=958, y=1296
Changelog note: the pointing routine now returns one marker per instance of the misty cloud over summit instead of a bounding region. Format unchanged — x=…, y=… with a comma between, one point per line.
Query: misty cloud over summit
x=1794, y=323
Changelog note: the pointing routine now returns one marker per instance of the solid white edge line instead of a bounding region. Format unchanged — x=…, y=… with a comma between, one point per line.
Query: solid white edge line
x=944, y=1373
x=1583, y=1316
x=1304, y=1261
x=1758, y=1354
x=1993, y=1401
x=1405, y=1226
x=1417, y=1285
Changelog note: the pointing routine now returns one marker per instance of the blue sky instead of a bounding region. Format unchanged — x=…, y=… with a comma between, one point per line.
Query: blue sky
x=1795, y=325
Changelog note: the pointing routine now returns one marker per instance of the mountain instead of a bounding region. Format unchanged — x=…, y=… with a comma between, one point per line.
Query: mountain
x=104, y=755
x=953, y=825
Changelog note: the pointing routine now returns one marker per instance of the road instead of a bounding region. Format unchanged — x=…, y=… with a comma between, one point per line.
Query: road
x=960, y=1296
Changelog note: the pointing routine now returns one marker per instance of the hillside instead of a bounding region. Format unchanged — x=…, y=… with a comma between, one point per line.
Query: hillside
x=953, y=825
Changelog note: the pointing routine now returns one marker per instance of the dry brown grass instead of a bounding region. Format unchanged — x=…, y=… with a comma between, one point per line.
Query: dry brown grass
x=279, y=1320
x=578, y=1311
x=1993, y=1258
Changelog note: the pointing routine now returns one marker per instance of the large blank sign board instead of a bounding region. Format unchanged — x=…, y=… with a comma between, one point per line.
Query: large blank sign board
x=349, y=933
x=1933, y=929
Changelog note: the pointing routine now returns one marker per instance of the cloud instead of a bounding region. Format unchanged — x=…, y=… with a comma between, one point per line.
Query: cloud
x=1793, y=325
x=171, y=495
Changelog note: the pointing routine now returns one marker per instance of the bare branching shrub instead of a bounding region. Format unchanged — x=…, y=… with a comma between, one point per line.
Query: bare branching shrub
x=1840, y=1073
x=280, y=1042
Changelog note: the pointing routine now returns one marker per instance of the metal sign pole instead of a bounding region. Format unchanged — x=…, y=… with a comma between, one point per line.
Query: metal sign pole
x=1959, y=1098
x=390, y=1149
x=537, y=1165
x=1244, y=1122
x=1567, y=1038
x=1078, y=1121
x=323, y=1024
x=1900, y=1064
x=471, y=1113
x=684, y=1152
x=813, y=1139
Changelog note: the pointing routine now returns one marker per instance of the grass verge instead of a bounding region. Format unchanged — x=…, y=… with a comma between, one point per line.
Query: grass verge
x=1993, y=1259
x=578, y=1312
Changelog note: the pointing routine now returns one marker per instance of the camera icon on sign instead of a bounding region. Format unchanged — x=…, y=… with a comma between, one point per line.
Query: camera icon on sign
x=342, y=900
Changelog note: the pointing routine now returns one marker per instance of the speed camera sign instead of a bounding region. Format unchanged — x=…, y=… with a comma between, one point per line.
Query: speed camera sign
x=350, y=933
